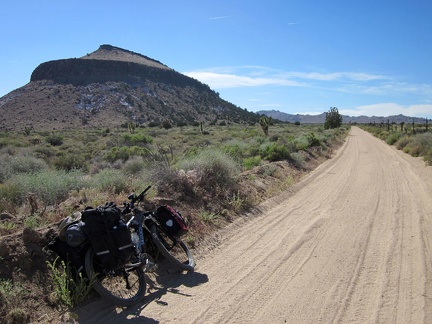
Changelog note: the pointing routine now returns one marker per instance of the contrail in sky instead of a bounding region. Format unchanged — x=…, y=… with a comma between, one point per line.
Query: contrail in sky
x=221, y=17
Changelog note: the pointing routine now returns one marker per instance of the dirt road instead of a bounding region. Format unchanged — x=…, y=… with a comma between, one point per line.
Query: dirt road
x=350, y=244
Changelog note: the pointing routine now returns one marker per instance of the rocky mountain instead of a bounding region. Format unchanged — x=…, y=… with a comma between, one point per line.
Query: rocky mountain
x=110, y=87
x=320, y=119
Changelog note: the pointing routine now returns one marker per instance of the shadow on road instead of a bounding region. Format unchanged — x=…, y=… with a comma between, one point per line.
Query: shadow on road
x=158, y=285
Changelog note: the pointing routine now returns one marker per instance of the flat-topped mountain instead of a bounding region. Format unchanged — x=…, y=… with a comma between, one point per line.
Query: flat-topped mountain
x=110, y=87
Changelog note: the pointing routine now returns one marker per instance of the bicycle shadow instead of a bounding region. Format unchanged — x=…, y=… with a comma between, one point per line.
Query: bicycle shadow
x=158, y=284
x=164, y=283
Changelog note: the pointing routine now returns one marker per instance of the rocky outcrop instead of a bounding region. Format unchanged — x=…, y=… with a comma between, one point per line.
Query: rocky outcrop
x=111, y=87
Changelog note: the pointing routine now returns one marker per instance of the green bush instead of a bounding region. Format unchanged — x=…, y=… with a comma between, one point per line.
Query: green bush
x=12, y=165
x=298, y=159
x=50, y=187
x=250, y=162
x=70, y=161
x=393, y=138
x=117, y=153
x=134, y=166
x=428, y=157
x=274, y=152
x=313, y=140
x=136, y=139
x=110, y=180
x=235, y=149
x=215, y=169
x=301, y=143
x=402, y=142
x=70, y=289
x=44, y=152
x=54, y=140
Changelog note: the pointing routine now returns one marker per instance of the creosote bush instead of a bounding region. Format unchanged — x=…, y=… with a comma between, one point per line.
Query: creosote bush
x=215, y=169
x=50, y=187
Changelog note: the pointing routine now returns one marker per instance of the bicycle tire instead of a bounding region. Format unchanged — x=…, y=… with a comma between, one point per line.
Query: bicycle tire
x=174, y=249
x=112, y=286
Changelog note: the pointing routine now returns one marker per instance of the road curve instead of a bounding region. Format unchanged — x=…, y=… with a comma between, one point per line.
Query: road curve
x=351, y=243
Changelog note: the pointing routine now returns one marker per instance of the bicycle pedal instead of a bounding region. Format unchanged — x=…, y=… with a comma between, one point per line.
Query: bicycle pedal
x=148, y=262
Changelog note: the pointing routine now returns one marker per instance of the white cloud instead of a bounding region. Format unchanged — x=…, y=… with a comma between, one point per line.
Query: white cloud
x=355, y=76
x=224, y=80
x=398, y=88
x=389, y=109
x=253, y=76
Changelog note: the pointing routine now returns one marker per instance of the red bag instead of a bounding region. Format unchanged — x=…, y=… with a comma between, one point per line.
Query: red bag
x=171, y=220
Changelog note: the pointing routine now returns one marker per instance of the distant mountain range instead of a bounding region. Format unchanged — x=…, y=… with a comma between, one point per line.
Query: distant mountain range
x=111, y=87
x=320, y=119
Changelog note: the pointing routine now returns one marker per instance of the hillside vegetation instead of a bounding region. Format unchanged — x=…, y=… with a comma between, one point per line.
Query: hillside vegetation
x=413, y=139
x=212, y=174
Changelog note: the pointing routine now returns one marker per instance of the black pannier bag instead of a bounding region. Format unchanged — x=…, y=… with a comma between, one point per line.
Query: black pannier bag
x=68, y=244
x=108, y=235
x=171, y=220
x=73, y=256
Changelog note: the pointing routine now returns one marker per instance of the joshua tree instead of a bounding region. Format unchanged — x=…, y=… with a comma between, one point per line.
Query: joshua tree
x=131, y=127
x=265, y=122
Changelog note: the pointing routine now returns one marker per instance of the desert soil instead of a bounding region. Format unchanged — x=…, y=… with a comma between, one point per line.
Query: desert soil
x=350, y=243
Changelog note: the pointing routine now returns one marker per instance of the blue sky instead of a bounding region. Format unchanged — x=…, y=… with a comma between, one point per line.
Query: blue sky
x=296, y=56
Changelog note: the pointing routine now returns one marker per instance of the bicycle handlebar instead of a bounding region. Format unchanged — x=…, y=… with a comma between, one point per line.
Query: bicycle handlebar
x=133, y=199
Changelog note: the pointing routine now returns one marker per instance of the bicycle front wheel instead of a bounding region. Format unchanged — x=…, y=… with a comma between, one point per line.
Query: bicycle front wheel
x=174, y=249
x=122, y=287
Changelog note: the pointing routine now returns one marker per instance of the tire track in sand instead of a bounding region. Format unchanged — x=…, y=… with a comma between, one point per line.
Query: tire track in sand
x=351, y=243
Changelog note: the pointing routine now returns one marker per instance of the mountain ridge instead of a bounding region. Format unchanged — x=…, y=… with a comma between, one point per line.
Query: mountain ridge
x=320, y=118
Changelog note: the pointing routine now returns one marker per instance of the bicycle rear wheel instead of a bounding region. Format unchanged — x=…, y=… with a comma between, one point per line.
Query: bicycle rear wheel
x=123, y=287
x=173, y=248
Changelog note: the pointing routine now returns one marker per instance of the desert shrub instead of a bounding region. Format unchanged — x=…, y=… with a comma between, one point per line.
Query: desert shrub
x=5, y=167
x=402, y=142
x=70, y=288
x=153, y=124
x=301, y=143
x=250, y=162
x=111, y=180
x=70, y=161
x=136, y=139
x=117, y=153
x=11, y=295
x=27, y=164
x=274, y=152
x=235, y=149
x=137, y=151
x=313, y=140
x=166, y=124
x=298, y=159
x=392, y=138
x=54, y=140
x=33, y=221
x=44, y=152
x=268, y=169
x=50, y=187
x=428, y=156
x=274, y=138
x=124, y=153
x=215, y=169
x=12, y=165
x=134, y=165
